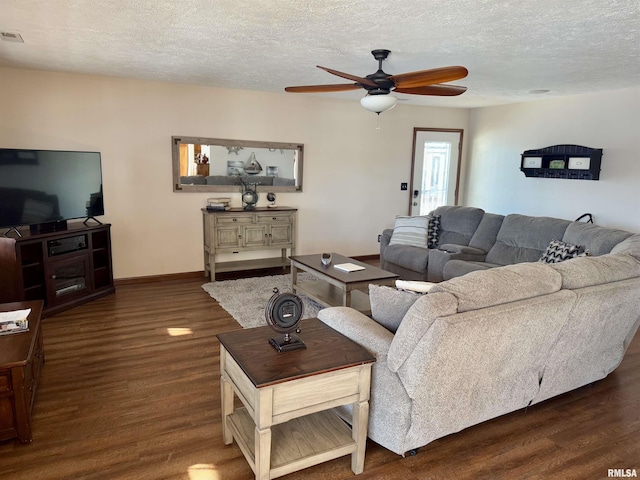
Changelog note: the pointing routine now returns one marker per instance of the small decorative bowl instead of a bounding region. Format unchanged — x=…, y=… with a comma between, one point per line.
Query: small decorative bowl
x=325, y=258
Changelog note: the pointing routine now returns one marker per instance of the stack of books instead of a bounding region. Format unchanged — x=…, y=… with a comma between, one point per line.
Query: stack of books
x=217, y=204
x=14, y=322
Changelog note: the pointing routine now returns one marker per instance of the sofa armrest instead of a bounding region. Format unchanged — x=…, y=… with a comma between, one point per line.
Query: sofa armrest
x=443, y=254
x=358, y=327
x=385, y=238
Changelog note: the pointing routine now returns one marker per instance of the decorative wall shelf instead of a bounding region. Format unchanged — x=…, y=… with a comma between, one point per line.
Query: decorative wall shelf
x=562, y=161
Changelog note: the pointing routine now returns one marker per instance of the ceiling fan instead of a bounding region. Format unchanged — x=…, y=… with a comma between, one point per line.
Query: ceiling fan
x=379, y=84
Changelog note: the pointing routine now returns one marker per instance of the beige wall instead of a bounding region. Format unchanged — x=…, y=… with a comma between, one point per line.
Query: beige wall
x=352, y=171
x=607, y=120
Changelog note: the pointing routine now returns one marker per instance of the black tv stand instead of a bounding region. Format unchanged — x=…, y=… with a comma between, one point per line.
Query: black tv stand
x=86, y=220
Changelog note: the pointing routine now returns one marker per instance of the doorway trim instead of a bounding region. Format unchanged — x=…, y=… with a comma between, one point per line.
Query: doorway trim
x=413, y=157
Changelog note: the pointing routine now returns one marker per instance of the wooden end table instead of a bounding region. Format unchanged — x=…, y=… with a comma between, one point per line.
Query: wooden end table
x=21, y=359
x=336, y=287
x=287, y=423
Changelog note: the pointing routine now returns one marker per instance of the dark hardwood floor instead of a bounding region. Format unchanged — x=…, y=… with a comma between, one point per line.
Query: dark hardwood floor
x=130, y=390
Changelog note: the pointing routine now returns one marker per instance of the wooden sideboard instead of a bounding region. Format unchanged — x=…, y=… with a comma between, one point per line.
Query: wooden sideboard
x=21, y=360
x=238, y=230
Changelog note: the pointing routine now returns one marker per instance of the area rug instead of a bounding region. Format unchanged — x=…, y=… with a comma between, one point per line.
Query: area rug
x=246, y=298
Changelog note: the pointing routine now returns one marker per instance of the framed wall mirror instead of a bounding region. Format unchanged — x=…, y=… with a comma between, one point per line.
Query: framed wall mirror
x=221, y=165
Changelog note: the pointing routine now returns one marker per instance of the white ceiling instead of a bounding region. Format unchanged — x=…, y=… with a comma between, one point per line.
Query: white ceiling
x=510, y=47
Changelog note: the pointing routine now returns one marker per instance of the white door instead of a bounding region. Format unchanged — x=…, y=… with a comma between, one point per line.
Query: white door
x=436, y=163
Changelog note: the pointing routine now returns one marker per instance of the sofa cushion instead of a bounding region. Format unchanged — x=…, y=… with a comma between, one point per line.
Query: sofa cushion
x=487, y=231
x=598, y=240
x=587, y=271
x=523, y=239
x=408, y=257
x=496, y=286
x=389, y=305
x=559, y=251
x=411, y=231
x=457, y=224
x=457, y=268
x=629, y=246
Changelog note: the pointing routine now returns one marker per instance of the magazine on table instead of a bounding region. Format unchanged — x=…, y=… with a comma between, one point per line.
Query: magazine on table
x=348, y=267
x=15, y=321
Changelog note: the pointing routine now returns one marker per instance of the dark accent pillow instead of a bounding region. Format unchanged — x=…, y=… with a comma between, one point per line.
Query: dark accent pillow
x=433, y=232
x=559, y=251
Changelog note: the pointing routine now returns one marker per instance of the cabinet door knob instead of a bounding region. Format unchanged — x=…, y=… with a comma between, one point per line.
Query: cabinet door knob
x=53, y=277
x=235, y=219
x=274, y=218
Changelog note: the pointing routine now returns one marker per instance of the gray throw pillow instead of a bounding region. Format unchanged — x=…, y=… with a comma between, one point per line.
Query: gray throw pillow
x=388, y=305
x=410, y=231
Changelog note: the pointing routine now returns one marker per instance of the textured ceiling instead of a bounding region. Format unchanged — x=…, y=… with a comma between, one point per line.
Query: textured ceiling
x=510, y=47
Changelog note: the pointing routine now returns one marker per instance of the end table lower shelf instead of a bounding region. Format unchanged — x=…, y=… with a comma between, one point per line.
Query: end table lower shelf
x=296, y=444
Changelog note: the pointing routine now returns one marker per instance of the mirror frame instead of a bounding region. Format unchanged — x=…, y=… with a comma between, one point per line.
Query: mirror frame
x=175, y=158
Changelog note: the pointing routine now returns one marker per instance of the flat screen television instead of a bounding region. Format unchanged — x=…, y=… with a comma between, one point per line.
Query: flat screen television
x=48, y=187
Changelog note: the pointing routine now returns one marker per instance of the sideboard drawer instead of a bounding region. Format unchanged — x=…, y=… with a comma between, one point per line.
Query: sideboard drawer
x=275, y=218
x=233, y=219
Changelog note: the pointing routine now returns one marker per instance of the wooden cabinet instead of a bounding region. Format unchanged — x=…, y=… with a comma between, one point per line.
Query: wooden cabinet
x=64, y=268
x=238, y=230
x=21, y=360
x=563, y=161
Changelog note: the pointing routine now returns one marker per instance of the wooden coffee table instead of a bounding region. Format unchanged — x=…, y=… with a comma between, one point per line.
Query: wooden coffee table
x=287, y=423
x=335, y=287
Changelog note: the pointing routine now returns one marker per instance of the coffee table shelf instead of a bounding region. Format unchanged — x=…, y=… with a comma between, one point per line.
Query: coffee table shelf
x=256, y=264
x=329, y=295
x=335, y=287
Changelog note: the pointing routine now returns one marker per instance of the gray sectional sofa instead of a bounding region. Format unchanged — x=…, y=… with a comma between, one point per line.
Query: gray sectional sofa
x=499, y=338
x=472, y=239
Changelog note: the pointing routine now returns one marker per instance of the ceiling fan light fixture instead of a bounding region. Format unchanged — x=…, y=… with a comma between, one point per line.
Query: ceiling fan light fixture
x=378, y=103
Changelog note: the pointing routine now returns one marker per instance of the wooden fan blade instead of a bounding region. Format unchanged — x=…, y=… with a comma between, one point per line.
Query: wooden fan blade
x=348, y=76
x=340, y=87
x=428, y=77
x=438, y=90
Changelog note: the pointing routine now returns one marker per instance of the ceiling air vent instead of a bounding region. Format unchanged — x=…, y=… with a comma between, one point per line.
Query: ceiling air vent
x=11, y=37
